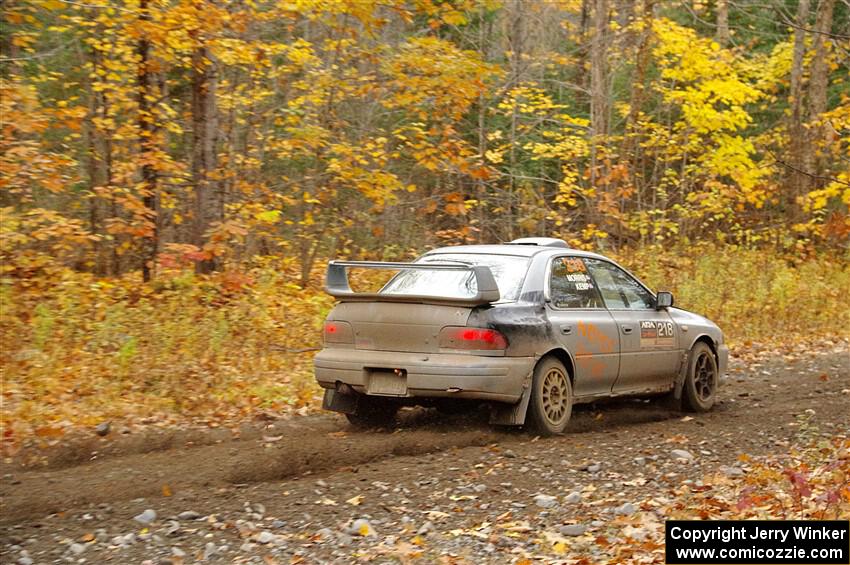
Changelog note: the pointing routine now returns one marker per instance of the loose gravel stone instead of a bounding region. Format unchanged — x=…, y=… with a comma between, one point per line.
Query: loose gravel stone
x=172, y=527
x=188, y=515
x=127, y=539
x=573, y=498
x=573, y=529
x=102, y=429
x=681, y=454
x=545, y=501
x=625, y=509
x=360, y=527
x=210, y=550
x=344, y=540
x=145, y=517
x=77, y=548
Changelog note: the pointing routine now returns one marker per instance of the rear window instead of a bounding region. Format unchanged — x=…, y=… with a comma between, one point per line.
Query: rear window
x=508, y=270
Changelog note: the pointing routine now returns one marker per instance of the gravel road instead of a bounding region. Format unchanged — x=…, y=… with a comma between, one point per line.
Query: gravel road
x=439, y=489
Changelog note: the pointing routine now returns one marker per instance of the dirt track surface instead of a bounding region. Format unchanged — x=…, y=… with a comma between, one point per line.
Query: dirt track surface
x=286, y=492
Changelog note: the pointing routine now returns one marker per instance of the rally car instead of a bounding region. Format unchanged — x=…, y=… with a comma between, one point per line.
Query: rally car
x=530, y=327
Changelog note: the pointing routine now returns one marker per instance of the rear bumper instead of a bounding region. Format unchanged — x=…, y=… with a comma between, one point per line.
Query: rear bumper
x=722, y=359
x=428, y=374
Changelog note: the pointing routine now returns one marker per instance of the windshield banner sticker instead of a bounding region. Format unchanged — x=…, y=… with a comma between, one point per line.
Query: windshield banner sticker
x=656, y=334
x=574, y=265
x=581, y=280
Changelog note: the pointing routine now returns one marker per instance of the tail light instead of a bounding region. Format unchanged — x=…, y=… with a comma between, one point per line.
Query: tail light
x=338, y=332
x=480, y=339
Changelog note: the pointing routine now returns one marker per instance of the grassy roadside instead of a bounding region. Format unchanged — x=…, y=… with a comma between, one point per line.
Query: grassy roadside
x=753, y=295
x=216, y=350
x=76, y=350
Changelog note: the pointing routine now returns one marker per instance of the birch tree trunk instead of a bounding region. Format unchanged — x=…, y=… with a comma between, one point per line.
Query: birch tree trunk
x=722, y=35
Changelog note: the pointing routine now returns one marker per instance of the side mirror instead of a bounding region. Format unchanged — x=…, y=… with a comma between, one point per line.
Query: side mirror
x=663, y=300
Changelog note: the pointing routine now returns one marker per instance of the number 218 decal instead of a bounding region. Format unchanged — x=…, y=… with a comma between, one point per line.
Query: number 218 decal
x=653, y=333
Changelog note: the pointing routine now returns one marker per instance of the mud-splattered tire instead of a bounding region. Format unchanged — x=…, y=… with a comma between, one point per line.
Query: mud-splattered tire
x=700, y=387
x=373, y=412
x=551, y=402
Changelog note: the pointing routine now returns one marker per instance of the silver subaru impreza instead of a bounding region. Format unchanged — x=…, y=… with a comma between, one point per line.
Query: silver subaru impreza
x=530, y=327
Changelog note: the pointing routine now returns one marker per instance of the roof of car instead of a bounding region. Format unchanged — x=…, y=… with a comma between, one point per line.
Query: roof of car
x=512, y=249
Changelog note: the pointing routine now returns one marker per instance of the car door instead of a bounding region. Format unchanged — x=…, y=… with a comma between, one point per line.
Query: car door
x=649, y=354
x=583, y=326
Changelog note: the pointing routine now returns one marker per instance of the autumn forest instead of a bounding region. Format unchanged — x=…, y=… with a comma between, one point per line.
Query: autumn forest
x=174, y=174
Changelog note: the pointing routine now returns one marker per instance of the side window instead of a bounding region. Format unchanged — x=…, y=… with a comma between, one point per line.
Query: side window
x=570, y=285
x=618, y=289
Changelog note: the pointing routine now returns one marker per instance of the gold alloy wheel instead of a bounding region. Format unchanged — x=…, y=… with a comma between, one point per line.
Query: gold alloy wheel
x=556, y=396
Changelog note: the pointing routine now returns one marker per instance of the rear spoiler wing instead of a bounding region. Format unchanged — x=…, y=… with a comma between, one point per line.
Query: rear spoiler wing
x=336, y=283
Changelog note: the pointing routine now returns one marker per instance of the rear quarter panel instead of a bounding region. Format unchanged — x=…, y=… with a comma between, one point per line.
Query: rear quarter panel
x=525, y=325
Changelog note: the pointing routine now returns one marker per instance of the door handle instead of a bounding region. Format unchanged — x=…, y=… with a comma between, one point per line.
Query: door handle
x=566, y=330
x=627, y=329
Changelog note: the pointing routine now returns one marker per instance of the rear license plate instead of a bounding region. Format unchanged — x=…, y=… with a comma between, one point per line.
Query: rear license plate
x=387, y=383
